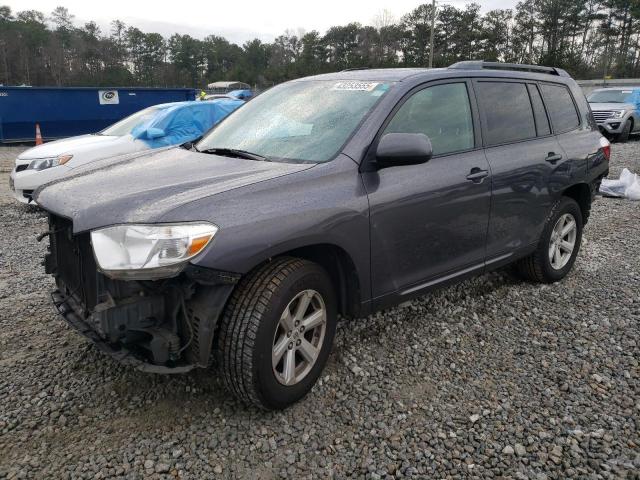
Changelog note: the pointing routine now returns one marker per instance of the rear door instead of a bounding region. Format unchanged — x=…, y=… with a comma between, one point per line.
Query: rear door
x=523, y=156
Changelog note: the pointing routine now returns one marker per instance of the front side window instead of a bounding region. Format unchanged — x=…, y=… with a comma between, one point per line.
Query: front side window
x=441, y=112
x=306, y=121
x=506, y=112
x=562, y=111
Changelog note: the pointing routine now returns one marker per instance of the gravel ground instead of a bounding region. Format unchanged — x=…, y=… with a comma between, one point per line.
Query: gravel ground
x=492, y=378
x=7, y=158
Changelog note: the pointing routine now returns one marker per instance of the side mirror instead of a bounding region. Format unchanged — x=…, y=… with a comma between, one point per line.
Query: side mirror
x=152, y=133
x=396, y=149
x=189, y=144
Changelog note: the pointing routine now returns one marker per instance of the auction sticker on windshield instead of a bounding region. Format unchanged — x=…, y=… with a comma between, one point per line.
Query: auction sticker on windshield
x=355, y=86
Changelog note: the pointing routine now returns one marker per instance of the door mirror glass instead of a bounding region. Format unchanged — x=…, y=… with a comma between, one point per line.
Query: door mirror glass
x=403, y=149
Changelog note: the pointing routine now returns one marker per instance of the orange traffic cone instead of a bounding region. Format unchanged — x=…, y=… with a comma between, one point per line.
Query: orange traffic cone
x=38, y=135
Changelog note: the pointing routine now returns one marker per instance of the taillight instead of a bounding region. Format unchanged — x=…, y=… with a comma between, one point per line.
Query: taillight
x=606, y=147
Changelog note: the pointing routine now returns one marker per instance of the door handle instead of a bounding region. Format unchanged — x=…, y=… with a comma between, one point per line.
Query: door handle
x=553, y=157
x=476, y=174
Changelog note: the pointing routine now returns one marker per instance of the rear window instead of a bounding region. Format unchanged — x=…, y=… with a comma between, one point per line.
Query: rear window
x=542, y=122
x=562, y=111
x=506, y=111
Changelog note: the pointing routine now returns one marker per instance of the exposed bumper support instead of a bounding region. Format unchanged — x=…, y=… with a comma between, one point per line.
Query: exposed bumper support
x=163, y=326
x=66, y=307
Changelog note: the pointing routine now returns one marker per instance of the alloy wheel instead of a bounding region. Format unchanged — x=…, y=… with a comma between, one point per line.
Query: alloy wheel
x=563, y=241
x=298, y=338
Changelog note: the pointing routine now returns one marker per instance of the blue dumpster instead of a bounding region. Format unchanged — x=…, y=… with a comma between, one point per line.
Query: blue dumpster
x=68, y=111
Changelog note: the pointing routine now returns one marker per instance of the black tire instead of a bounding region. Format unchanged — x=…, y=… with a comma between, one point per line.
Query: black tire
x=248, y=325
x=537, y=267
x=624, y=135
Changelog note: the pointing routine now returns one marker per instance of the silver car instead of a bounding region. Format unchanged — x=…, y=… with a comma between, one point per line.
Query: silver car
x=159, y=126
x=617, y=111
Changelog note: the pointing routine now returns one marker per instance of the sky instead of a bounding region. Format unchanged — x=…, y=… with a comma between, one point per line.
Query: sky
x=236, y=21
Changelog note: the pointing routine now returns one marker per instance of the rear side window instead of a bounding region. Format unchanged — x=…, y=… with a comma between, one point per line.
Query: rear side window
x=441, y=112
x=562, y=111
x=506, y=112
x=542, y=122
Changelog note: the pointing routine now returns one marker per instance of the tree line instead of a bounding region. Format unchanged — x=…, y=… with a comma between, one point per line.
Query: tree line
x=589, y=38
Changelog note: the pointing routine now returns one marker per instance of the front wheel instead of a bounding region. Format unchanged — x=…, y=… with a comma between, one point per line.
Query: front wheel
x=558, y=246
x=624, y=135
x=276, y=333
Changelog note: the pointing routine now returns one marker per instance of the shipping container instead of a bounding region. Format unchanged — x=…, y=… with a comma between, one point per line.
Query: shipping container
x=68, y=111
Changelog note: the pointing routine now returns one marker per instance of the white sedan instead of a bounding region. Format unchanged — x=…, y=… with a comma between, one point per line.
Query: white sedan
x=154, y=127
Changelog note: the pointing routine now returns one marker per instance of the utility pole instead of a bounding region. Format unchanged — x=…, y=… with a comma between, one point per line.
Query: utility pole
x=606, y=64
x=433, y=22
x=532, y=36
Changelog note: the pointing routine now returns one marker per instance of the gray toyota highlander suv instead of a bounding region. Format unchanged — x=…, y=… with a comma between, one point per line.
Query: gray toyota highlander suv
x=339, y=194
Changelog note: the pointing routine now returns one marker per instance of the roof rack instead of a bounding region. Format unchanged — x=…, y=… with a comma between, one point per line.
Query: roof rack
x=355, y=68
x=481, y=64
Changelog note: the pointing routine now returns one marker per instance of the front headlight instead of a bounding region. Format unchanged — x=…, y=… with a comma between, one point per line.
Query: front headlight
x=44, y=163
x=618, y=113
x=148, y=252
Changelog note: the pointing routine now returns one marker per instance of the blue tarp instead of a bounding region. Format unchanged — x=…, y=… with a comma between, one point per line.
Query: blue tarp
x=183, y=121
x=241, y=94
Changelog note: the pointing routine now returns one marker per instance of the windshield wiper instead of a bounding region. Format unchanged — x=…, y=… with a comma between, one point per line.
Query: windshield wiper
x=232, y=152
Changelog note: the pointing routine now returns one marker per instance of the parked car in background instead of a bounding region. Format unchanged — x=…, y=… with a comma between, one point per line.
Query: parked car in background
x=337, y=194
x=241, y=94
x=216, y=96
x=617, y=111
x=237, y=94
x=227, y=86
x=154, y=127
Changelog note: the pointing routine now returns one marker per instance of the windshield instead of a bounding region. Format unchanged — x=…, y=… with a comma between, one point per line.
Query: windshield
x=124, y=126
x=610, y=96
x=301, y=121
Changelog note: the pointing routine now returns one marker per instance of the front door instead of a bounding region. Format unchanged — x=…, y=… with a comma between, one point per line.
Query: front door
x=429, y=221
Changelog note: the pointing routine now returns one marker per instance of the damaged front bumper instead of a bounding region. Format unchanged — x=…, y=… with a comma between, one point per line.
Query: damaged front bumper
x=159, y=326
x=67, y=307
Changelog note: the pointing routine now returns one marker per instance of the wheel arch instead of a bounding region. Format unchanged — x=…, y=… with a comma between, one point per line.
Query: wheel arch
x=341, y=269
x=581, y=193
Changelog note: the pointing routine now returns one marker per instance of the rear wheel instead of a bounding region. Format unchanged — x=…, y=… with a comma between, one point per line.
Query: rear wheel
x=558, y=246
x=276, y=333
x=626, y=131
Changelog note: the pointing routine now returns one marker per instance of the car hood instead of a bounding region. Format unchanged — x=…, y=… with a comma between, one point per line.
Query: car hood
x=72, y=145
x=611, y=106
x=141, y=188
